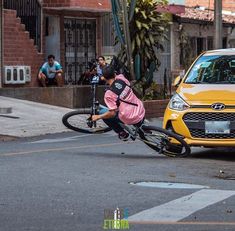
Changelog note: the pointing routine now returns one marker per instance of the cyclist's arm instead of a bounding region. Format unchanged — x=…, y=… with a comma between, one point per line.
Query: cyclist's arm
x=106, y=115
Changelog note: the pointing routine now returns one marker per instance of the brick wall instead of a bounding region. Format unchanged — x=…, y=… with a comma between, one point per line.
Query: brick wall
x=19, y=49
x=227, y=4
x=56, y=3
x=102, y=4
x=155, y=108
x=99, y=4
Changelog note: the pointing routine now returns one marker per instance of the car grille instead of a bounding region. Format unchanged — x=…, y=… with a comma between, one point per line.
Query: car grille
x=204, y=116
x=196, y=124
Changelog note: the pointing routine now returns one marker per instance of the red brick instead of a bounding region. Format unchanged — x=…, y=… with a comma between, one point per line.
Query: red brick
x=227, y=4
x=19, y=49
x=97, y=4
x=155, y=108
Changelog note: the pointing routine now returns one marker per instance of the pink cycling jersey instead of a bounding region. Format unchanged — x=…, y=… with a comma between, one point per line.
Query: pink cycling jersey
x=127, y=113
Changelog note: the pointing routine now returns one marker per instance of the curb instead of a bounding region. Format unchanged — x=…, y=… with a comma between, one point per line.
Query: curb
x=7, y=138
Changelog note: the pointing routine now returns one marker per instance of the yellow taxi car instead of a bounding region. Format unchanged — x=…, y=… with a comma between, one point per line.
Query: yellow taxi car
x=203, y=107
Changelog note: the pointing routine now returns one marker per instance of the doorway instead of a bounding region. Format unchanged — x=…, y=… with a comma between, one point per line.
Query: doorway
x=80, y=47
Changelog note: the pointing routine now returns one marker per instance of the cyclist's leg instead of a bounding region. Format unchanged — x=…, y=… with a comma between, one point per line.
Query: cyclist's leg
x=139, y=123
x=114, y=122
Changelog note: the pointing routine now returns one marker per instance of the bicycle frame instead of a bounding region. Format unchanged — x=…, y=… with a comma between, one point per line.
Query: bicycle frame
x=158, y=139
x=134, y=134
x=131, y=129
x=95, y=102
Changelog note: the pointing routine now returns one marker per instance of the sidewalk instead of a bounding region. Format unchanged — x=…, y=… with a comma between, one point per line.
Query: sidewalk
x=33, y=119
x=30, y=119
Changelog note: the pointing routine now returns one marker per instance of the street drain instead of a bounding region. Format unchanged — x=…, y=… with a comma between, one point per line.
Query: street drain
x=170, y=185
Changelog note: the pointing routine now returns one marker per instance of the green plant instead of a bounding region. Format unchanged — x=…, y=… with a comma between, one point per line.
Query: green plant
x=147, y=30
x=186, y=49
x=149, y=91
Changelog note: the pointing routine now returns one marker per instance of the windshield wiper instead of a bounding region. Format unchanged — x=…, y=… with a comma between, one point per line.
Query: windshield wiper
x=224, y=82
x=197, y=82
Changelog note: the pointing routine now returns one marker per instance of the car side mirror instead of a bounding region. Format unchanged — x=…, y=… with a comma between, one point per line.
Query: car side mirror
x=177, y=81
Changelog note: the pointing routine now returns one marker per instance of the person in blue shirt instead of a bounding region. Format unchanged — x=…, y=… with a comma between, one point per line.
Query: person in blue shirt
x=101, y=65
x=99, y=68
x=50, y=73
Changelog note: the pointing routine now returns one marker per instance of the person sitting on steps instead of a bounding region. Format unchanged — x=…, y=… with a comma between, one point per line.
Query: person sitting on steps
x=51, y=73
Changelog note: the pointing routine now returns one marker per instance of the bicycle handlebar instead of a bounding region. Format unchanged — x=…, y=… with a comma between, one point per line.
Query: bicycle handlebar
x=95, y=79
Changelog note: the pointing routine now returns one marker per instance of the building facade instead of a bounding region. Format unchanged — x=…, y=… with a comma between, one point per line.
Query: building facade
x=72, y=30
x=228, y=5
x=196, y=26
x=77, y=31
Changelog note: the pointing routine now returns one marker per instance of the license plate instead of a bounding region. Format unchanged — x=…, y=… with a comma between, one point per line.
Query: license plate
x=217, y=127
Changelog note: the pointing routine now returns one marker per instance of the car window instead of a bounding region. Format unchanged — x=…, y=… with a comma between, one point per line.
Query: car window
x=216, y=69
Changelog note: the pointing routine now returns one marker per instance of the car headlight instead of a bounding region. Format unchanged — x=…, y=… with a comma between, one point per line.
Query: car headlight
x=177, y=103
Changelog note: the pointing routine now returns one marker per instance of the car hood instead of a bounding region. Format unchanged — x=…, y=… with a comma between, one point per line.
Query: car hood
x=207, y=93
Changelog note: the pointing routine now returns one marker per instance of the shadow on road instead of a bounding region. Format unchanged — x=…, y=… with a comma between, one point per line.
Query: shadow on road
x=226, y=154
x=124, y=155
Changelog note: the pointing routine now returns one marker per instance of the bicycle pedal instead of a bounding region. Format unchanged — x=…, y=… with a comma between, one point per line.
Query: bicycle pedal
x=89, y=123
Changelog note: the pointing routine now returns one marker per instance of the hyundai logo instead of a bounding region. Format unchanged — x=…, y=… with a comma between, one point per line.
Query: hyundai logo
x=218, y=106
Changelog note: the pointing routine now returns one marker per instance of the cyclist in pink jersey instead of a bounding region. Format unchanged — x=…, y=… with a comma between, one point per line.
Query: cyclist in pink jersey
x=122, y=104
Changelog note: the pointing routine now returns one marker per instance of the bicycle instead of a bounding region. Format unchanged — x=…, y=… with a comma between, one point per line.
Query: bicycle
x=161, y=140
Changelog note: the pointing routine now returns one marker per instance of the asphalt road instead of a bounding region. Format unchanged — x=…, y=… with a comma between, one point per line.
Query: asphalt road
x=70, y=181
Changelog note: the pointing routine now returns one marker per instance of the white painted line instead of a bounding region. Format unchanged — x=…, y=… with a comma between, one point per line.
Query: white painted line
x=58, y=140
x=180, y=208
x=68, y=139
x=170, y=185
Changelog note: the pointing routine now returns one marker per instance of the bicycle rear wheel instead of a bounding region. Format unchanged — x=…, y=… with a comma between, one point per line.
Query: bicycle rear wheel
x=79, y=121
x=164, y=141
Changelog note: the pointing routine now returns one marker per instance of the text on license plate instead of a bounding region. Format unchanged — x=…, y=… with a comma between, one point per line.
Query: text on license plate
x=217, y=127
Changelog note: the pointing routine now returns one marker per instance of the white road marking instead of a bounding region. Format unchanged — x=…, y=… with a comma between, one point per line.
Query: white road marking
x=180, y=208
x=68, y=139
x=58, y=140
x=170, y=185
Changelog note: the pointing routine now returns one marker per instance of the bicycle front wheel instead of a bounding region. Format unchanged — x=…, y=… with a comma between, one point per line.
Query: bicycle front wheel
x=79, y=121
x=164, y=141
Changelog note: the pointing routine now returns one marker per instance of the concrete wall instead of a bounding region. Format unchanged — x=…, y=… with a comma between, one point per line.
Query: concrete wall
x=192, y=30
x=71, y=97
x=74, y=97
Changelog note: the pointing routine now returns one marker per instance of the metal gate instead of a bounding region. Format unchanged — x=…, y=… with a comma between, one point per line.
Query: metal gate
x=80, y=47
x=30, y=13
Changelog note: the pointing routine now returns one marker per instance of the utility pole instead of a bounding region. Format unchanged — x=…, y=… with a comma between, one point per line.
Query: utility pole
x=1, y=42
x=218, y=23
x=127, y=39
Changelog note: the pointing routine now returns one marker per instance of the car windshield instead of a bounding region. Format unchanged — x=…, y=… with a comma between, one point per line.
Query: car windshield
x=216, y=69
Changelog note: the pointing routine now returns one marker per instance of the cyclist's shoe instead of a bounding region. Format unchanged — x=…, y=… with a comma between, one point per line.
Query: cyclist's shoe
x=123, y=135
